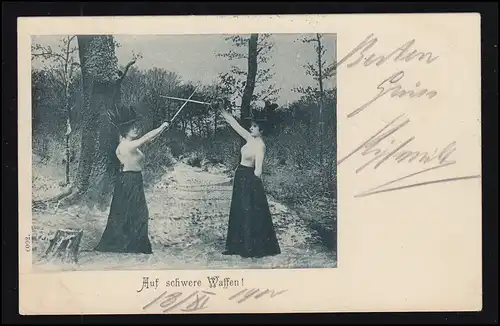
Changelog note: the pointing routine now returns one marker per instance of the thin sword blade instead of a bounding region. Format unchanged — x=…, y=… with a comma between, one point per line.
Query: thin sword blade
x=183, y=105
x=183, y=99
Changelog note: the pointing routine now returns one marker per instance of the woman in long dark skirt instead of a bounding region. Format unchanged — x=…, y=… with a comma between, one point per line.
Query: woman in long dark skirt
x=127, y=227
x=250, y=230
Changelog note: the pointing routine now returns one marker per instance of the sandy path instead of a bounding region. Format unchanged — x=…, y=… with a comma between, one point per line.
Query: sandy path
x=188, y=218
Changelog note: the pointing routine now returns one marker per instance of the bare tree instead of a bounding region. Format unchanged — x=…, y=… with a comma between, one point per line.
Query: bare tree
x=250, y=84
x=320, y=71
x=246, y=98
x=159, y=82
x=101, y=88
x=64, y=64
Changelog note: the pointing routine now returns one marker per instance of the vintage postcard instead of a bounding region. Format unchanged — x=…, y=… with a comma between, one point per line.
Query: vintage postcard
x=235, y=164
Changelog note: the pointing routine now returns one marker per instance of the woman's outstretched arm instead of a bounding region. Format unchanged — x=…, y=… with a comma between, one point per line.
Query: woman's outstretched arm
x=234, y=124
x=149, y=137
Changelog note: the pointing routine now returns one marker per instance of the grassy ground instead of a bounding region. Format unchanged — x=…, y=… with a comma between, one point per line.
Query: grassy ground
x=189, y=208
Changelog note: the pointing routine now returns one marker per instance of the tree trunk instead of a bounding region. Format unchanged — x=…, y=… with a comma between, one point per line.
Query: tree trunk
x=89, y=118
x=68, y=157
x=215, y=125
x=205, y=128
x=246, y=99
x=67, y=83
x=106, y=165
x=101, y=91
x=67, y=136
x=64, y=247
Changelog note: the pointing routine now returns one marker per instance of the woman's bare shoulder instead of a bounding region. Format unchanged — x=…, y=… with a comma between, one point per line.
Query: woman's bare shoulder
x=261, y=145
x=124, y=147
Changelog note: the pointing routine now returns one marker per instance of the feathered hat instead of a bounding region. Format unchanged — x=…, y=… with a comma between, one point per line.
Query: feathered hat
x=260, y=118
x=263, y=115
x=257, y=116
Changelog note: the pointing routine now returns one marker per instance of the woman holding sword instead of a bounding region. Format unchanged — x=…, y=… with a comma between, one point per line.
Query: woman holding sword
x=250, y=231
x=127, y=227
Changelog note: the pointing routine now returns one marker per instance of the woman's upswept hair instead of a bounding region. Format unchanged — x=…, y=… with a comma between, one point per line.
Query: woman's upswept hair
x=123, y=118
x=260, y=119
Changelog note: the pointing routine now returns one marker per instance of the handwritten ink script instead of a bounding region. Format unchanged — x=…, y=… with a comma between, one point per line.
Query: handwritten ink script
x=390, y=86
x=199, y=299
x=246, y=294
x=384, y=146
x=193, y=301
x=403, y=54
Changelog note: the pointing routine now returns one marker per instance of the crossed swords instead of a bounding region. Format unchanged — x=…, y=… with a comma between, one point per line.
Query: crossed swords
x=186, y=101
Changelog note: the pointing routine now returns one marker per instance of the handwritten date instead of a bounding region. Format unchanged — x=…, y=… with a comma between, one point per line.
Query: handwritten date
x=194, y=301
x=255, y=293
x=198, y=300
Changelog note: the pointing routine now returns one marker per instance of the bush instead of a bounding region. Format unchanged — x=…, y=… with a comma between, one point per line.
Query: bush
x=158, y=159
x=194, y=160
x=52, y=148
x=292, y=171
x=220, y=149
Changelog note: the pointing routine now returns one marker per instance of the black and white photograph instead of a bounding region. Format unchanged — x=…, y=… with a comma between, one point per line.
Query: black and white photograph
x=210, y=151
x=249, y=164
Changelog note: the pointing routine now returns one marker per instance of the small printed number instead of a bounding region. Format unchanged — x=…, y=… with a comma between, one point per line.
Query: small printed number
x=27, y=243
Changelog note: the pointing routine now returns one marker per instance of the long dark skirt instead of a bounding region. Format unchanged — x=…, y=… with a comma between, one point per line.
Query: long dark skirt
x=127, y=228
x=250, y=231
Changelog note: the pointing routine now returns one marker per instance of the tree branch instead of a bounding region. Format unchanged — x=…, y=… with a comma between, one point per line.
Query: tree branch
x=127, y=67
x=49, y=55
